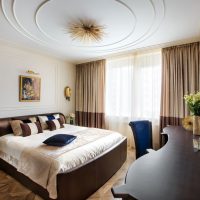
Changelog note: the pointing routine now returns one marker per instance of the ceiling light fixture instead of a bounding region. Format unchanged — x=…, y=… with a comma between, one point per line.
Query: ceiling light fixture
x=86, y=31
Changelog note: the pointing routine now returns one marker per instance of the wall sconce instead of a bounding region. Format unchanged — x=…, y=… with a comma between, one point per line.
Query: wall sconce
x=68, y=93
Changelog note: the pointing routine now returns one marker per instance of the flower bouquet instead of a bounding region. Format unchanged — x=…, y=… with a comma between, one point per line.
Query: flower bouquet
x=71, y=118
x=193, y=102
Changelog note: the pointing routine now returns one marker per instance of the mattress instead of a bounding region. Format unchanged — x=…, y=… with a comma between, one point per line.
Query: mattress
x=42, y=163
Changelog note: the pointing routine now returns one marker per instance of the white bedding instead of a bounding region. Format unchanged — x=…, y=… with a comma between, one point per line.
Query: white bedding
x=33, y=158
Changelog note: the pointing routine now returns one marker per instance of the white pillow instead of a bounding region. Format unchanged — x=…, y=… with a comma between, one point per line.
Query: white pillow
x=57, y=116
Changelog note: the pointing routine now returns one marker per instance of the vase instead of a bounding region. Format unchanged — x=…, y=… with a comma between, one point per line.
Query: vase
x=196, y=132
x=71, y=120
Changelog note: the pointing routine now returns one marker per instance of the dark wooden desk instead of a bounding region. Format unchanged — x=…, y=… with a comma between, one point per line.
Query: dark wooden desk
x=171, y=173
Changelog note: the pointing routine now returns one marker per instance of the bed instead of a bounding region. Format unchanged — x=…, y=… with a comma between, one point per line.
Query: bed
x=76, y=181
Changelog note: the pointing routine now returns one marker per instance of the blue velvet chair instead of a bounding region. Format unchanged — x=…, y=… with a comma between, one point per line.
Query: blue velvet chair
x=142, y=131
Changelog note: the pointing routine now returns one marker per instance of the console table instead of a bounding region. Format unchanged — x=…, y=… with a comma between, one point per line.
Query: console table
x=171, y=173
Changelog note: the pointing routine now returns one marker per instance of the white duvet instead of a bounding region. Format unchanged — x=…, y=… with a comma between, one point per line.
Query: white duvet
x=42, y=163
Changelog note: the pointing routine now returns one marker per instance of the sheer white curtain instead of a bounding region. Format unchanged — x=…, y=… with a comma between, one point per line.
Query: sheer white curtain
x=133, y=85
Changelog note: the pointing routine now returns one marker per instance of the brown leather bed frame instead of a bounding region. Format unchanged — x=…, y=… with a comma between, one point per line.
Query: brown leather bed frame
x=79, y=183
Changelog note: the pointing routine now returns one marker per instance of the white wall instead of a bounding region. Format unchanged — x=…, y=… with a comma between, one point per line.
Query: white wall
x=55, y=75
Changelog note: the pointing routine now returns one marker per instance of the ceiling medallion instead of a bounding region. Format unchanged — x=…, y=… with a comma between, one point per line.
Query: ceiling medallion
x=86, y=31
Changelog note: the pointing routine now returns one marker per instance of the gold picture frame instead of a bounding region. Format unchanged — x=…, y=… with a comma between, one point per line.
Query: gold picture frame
x=29, y=88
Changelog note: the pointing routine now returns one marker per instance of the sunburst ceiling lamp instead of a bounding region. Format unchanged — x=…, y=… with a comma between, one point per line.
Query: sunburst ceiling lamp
x=86, y=31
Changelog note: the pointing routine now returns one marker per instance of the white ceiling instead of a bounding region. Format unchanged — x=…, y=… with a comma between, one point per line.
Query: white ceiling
x=129, y=25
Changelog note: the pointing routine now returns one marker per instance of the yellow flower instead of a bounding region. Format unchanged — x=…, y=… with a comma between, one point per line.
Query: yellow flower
x=187, y=123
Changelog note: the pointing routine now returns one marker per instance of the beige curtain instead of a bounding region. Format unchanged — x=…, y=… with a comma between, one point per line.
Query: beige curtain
x=180, y=76
x=90, y=94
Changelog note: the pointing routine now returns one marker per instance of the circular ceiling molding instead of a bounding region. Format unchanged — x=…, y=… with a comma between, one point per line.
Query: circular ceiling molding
x=128, y=23
x=56, y=23
x=158, y=19
x=29, y=34
x=9, y=12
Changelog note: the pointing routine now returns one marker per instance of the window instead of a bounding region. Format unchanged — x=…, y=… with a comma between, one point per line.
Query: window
x=133, y=86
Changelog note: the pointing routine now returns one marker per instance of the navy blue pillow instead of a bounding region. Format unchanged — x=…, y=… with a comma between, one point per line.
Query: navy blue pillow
x=59, y=140
x=50, y=117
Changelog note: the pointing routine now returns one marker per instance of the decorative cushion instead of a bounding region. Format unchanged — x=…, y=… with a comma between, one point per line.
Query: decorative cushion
x=32, y=119
x=62, y=119
x=50, y=117
x=59, y=140
x=15, y=124
x=57, y=116
x=55, y=124
x=31, y=129
x=43, y=123
x=5, y=127
x=44, y=119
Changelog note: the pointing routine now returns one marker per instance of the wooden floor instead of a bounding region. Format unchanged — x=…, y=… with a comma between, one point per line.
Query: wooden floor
x=10, y=189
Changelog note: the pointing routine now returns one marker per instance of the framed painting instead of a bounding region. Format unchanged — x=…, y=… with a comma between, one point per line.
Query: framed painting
x=29, y=88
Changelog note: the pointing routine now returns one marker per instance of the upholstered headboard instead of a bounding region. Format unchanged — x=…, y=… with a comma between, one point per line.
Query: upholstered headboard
x=5, y=127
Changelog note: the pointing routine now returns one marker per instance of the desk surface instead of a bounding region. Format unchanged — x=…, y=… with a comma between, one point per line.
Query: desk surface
x=171, y=173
